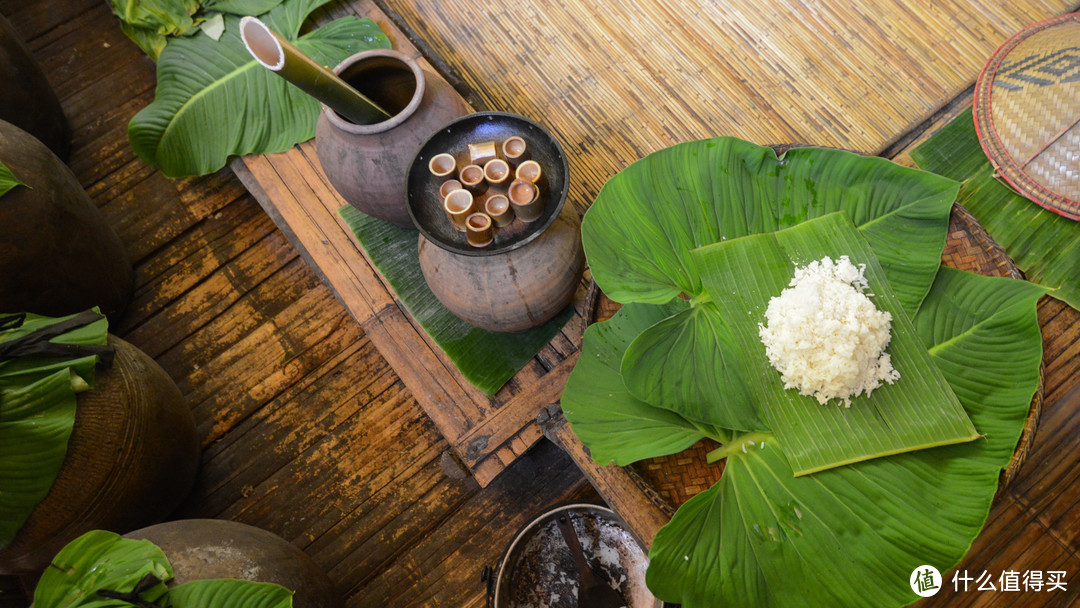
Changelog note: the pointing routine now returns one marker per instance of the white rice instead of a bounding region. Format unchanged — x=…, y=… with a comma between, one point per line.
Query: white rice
x=825, y=336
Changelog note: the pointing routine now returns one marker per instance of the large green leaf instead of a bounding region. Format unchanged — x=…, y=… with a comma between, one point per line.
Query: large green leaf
x=100, y=560
x=615, y=425
x=918, y=411
x=1045, y=245
x=228, y=593
x=240, y=7
x=8, y=180
x=851, y=536
x=639, y=233
x=161, y=16
x=37, y=414
x=213, y=100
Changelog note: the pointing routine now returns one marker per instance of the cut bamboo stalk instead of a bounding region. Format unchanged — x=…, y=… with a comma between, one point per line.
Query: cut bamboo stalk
x=515, y=151
x=483, y=152
x=478, y=230
x=283, y=58
x=442, y=165
x=498, y=209
x=496, y=171
x=525, y=198
x=472, y=177
x=447, y=187
x=459, y=205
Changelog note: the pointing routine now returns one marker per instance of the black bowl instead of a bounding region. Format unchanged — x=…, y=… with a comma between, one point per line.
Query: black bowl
x=422, y=188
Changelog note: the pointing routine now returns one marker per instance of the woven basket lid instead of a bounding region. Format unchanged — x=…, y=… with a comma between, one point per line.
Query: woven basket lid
x=1027, y=113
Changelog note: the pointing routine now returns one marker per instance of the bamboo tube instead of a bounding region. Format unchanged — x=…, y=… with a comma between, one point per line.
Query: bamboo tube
x=496, y=171
x=478, y=230
x=459, y=205
x=283, y=58
x=442, y=165
x=498, y=209
x=447, y=187
x=483, y=152
x=472, y=177
x=526, y=201
x=515, y=151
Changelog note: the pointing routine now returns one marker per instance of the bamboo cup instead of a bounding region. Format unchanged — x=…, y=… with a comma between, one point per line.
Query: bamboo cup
x=496, y=171
x=481, y=153
x=459, y=205
x=515, y=151
x=442, y=165
x=283, y=58
x=498, y=209
x=447, y=187
x=478, y=230
x=529, y=171
x=472, y=178
x=525, y=199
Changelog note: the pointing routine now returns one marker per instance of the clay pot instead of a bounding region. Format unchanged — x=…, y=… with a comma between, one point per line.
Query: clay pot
x=26, y=99
x=367, y=164
x=57, y=254
x=511, y=291
x=209, y=548
x=131, y=459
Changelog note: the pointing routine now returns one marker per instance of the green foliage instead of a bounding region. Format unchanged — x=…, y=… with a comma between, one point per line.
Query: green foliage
x=213, y=100
x=1045, y=245
x=8, y=180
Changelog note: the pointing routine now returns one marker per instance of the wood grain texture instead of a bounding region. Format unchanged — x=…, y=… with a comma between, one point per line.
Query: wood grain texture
x=306, y=430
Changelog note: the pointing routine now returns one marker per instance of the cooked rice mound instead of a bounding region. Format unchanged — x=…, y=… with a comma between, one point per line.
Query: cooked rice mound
x=825, y=336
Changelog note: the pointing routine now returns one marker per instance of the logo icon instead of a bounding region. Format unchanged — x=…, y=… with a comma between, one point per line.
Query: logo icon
x=925, y=581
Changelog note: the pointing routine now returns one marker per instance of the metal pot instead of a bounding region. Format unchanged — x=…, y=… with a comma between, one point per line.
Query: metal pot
x=527, y=564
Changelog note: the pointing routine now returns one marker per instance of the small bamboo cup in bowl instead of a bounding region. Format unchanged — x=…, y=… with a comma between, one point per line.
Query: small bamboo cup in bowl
x=447, y=187
x=472, y=178
x=482, y=152
x=515, y=151
x=478, y=230
x=442, y=165
x=498, y=209
x=525, y=199
x=530, y=171
x=496, y=171
x=459, y=205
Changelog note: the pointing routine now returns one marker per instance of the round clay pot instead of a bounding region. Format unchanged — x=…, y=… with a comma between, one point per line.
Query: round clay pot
x=131, y=459
x=511, y=291
x=367, y=164
x=26, y=99
x=57, y=254
x=210, y=548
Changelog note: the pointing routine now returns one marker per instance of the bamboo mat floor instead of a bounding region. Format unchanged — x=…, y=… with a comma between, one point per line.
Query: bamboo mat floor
x=306, y=431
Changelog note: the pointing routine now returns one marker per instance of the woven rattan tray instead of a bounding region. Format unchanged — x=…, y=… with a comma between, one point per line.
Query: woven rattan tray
x=673, y=480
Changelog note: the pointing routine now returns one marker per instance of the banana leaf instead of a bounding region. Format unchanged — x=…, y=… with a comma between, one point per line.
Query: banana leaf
x=213, y=100
x=8, y=180
x=100, y=560
x=917, y=412
x=639, y=232
x=851, y=535
x=1045, y=245
x=37, y=414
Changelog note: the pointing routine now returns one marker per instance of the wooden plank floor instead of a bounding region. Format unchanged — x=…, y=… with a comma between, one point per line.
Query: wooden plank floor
x=306, y=430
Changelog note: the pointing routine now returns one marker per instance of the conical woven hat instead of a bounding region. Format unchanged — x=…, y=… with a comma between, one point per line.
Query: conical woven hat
x=1027, y=113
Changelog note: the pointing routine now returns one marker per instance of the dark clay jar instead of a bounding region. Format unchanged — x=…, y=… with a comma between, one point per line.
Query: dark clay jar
x=26, y=99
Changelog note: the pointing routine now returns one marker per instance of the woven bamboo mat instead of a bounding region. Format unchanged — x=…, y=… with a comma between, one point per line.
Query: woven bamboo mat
x=617, y=80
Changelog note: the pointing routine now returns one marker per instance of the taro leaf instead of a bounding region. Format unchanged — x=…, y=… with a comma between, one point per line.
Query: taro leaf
x=240, y=7
x=919, y=411
x=227, y=593
x=214, y=100
x=851, y=536
x=639, y=233
x=100, y=560
x=615, y=425
x=37, y=414
x=698, y=341
x=164, y=17
x=1045, y=245
x=8, y=180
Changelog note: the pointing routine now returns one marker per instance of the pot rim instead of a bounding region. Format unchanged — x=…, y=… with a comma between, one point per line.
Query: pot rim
x=380, y=127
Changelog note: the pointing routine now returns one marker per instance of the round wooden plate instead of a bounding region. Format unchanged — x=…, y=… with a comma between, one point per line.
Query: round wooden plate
x=678, y=477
